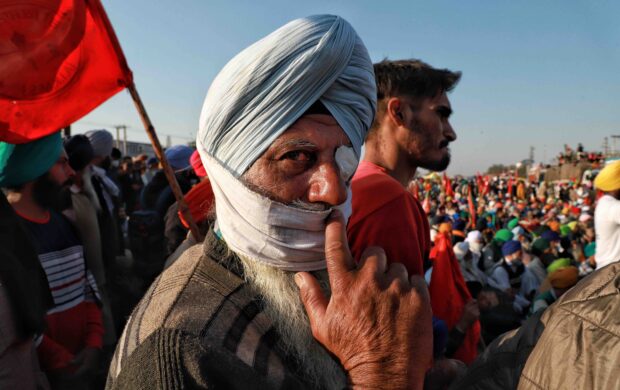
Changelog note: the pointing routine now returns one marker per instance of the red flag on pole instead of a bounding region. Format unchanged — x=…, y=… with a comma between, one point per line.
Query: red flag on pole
x=472, y=208
x=486, y=185
x=448, y=186
x=510, y=184
x=59, y=59
x=426, y=205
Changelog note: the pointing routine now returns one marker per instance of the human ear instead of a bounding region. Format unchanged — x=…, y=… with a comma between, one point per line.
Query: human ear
x=393, y=111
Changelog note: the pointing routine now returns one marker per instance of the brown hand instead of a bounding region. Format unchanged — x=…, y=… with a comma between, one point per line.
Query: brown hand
x=377, y=321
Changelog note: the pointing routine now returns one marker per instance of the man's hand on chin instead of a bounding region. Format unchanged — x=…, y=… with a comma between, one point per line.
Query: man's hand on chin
x=377, y=321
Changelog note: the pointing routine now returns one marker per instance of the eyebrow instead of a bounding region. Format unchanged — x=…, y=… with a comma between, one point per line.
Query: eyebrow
x=444, y=110
x=295, y=142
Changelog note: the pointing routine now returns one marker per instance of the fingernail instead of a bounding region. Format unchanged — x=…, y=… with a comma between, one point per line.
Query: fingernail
x=299, y=280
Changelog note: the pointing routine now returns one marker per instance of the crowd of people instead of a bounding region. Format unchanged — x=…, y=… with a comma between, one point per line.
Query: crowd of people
x=578, y=155
x=519, y=244
x=320, y=267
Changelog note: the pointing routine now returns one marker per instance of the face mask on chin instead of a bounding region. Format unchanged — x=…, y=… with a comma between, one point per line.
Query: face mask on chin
x=283, y=236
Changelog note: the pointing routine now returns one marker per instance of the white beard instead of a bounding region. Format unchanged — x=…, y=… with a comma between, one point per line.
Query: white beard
x=284, y=308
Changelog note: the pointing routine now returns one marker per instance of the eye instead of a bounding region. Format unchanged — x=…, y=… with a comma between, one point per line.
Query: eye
x=298, y=155
x=444, y=112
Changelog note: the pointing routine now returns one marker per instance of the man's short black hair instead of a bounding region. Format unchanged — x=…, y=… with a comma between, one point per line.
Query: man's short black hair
x=409, y=78
x=412, y=78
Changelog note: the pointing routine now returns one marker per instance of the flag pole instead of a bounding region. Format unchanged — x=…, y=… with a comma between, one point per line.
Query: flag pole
x=159, y=152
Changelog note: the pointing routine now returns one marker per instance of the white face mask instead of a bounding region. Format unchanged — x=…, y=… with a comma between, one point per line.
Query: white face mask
x=285, y=237
x=475, y=246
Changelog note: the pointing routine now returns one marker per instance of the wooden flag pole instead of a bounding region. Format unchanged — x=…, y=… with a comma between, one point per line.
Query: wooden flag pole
x=159, y=152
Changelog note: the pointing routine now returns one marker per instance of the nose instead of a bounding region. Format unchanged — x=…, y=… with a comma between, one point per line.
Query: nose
x=69, y=172
x=327, y=186
x=449, y=132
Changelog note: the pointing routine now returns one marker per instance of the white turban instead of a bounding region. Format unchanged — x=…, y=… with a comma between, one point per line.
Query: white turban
x=474, y=236
x=264, y=89
x=461, y=249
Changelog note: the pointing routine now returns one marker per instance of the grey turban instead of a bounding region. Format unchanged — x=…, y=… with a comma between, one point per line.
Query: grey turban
x=102, y=142
x=264, y=89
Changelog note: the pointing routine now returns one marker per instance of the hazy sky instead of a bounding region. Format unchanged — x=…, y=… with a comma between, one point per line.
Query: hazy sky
x=535, y=73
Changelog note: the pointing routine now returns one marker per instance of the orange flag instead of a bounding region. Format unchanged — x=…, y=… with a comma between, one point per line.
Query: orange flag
x=449, y=294
x=59, y=59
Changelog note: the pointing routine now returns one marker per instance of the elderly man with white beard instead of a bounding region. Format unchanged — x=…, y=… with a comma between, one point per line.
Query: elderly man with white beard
x=273, y=298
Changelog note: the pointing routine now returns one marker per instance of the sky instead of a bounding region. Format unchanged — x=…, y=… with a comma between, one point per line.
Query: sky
x=535, y=73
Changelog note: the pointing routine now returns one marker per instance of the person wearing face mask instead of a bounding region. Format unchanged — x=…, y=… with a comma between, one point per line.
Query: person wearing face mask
x=280, y=136
x=507, y=274
x=492, y=252
x=469, y=263
x=476, y=243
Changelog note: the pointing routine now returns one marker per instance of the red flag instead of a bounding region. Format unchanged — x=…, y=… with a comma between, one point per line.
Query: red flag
x=448, y=186
x=486, y=185
x=59, y=59
x=510, y=184
x=479, y=183
x=472, y=208
x=426, y=205
x=449, y=294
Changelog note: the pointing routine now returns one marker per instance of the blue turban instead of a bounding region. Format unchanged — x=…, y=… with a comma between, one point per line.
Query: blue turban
x=178, y=156
x=511, y=247
x=101, y=141
x=264, y=89
x=458, y=225
x=22, y=163
x=551, y=236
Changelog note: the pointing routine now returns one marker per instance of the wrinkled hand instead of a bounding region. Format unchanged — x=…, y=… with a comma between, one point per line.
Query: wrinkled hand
x=471, y=313
x=86, y=361
x=377, y=321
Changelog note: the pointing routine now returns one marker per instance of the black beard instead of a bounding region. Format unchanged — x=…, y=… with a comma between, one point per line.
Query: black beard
x=436, y=166
x=50, y=195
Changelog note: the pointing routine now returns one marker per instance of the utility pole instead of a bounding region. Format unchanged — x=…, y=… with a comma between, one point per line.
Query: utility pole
x=118, y=138
x=124, y=140
x=615, y=138
x=605, y=146
x=532, y=155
